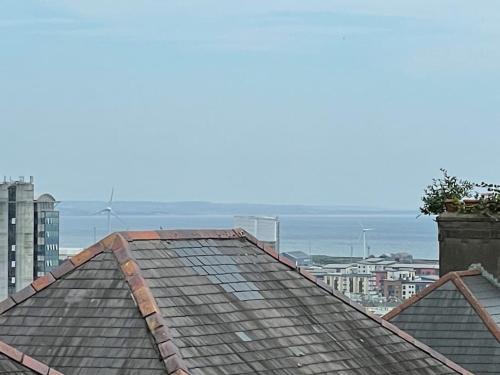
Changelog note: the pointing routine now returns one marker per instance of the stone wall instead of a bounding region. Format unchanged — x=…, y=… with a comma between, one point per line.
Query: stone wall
x=468, y=239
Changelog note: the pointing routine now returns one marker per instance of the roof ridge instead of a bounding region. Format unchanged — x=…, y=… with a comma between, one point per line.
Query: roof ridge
x=181, y=234
x=117, y=243
x=384, y=323
x=418, y=296
x=64, y=268
x=487, y=275
x=143, y=298
x=477, y=306
x=27, y=361
x=456, y=278
x=148, y=307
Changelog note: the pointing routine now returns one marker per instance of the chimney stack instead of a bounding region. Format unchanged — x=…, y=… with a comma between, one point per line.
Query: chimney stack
x=466, y=239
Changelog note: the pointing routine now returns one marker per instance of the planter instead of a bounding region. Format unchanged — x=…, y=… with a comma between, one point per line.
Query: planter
x=451, y=205
x=470, y=202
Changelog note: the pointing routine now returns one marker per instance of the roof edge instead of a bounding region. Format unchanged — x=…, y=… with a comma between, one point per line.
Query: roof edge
x=118, y=243
x=64, y=268
x=456, y=278
x=182, y=234
x=146, y=303
x=27, y=361
x=384, y=323
x=417, y=297
x=478, y=307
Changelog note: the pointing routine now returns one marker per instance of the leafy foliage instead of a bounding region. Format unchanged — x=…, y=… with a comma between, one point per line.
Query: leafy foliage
x=443, y=189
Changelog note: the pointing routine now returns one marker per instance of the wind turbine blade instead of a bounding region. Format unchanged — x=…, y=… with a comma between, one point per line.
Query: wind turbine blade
x=99, y=212
x=118, y=218
x=111, y=197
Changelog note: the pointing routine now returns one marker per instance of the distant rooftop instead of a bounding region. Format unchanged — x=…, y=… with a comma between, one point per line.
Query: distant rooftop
x=459, y=316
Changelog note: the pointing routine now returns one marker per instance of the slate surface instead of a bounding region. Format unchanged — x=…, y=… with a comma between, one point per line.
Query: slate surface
x=446, y=322
x=487, y=294
x=233, y=309
x=84, y=323
x=8, y=366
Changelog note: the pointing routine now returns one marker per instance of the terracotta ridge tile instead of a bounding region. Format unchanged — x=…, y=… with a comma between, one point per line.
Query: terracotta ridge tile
x=477, y=306
x=23, y=294
x=64, y=268
x=381, y=321
x=471, y=272
x=43, y=281
x=85, y=255
x=26, y=361
x=179, y=234
x=242, y=233
x=146, y=302
x=7, y=304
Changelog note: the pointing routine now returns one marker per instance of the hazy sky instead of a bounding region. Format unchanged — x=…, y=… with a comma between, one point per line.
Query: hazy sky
x=310, y=102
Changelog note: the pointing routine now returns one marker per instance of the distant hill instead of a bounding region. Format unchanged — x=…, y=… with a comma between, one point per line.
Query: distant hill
x=76, y=208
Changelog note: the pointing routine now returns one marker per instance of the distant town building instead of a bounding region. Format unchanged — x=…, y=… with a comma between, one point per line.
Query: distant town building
x=68, y=252
x=299, y=257
x=376, y=279
x=46, y=235
x=349, y=283
x=29, y=235
x=264, y=228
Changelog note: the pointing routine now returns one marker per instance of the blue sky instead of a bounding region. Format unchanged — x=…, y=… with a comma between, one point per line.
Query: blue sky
x=308, y=102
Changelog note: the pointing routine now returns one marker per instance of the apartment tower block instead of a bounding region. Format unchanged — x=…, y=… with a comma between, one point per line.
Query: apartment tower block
x=29, y=235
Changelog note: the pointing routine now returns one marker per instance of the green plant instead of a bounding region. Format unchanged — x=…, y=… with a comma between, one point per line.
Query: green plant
x=488, y=200
x=444, y=189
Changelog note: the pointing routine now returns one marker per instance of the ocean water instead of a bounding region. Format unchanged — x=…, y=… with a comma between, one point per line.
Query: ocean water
x=320, y=234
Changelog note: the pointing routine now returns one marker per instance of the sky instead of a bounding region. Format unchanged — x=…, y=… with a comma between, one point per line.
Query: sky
x=286, y=102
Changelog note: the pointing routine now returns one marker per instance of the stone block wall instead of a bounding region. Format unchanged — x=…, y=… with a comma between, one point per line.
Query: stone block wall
x=468, y=239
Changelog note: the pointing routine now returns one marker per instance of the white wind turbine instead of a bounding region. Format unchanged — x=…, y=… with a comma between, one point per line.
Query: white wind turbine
x=108, y=210
x=365, y=249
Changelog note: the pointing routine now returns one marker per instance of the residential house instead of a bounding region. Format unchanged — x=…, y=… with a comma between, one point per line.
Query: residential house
x=459, y=315
x=199, y=303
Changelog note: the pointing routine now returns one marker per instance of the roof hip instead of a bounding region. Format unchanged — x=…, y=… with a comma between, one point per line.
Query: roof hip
x=456, y=278
x=118, y=244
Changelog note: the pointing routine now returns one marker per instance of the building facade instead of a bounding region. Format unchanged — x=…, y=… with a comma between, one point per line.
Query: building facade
x=21, y=233
x=46, y=247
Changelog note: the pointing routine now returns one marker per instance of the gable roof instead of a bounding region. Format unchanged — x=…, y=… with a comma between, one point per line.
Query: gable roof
x=201, y=302
x=459, y=316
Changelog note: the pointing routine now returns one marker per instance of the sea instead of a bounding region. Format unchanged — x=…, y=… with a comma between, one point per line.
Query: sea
x=325, y=234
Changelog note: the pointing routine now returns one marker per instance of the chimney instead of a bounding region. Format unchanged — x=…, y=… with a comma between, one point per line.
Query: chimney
x=466, y=239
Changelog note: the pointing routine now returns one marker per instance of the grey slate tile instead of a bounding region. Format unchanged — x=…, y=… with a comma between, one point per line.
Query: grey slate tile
x=446, y=321
x=241, y=290
x=84, y=323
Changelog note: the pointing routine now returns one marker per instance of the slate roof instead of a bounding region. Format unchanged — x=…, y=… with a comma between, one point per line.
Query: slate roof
x=14, y=362
x=458, y=316
x=201, y=303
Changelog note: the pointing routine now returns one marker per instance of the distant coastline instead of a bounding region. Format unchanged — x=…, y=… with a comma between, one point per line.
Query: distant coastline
x=331, y=231
x=75, y=208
